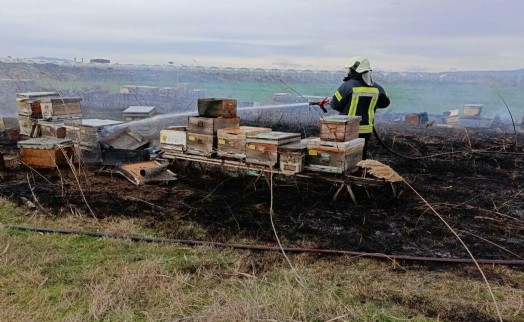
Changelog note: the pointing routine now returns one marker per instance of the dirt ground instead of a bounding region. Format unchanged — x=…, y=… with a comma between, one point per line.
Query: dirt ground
x=478, y=192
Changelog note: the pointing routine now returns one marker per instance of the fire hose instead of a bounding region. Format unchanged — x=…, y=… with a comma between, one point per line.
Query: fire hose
x=148, y=239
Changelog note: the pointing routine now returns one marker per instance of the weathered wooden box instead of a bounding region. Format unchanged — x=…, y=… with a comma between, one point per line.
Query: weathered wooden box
x=217, y=107
x=473, y=110
x=29, y=109
x=232, y=140
x=292, y=157
x=26, y=124
x=416, y=119
x=262, y=148
x=339, y=128
x=451, y=119
x=87, y=132
x=45, y=152
x=60, y=108
x=201, y=144
x=52, y=129
x=29, y=104
x=173, y=139
x=134, y=113
x=333, y=157
x=210, y=125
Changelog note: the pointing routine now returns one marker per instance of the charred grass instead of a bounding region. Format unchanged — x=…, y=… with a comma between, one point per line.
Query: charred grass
x=55, y=277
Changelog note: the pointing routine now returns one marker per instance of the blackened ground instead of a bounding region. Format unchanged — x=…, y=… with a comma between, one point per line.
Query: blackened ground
x=481, y=195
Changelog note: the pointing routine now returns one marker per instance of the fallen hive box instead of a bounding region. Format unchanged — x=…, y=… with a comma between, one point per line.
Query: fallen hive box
x=201, y=144
x=87, y=154
x=217, y=107
x=339, y=128
x=232, y=140
x=45, y=152
x=210, y=125
x=173, y=140
x=333, y=157
x=292, y=157
x=262, y=148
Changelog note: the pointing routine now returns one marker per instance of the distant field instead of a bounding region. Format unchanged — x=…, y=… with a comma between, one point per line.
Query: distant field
x=431, y=97
x=405, y=97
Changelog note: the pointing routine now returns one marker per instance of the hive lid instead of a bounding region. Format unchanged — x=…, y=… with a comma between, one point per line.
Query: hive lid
x=274, y=135
x=276, y=138
x=91, y=122
x=340, y=119
x=33, y=95
x=44, y=143
x=294, y=146
x=139, y=109
x=316, y=142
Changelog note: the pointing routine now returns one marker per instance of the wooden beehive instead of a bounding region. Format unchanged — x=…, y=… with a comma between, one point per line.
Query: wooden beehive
x=339, y=128
x=87, y=132
x=412, y=119
x=473, y=110
x=232, y=140
x=333, y=157
x=45, y=152
x=217, y=107
x=29, y=104
x=26, y=124
x=60, y=108
x=52, y=128
x=262, y=148
x=201, y=144
x=292, y=157
x=29, y=108
x=173, y=139
x=210, y=125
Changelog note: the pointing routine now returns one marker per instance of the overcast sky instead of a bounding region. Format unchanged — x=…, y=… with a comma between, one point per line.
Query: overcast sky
x=397, y=35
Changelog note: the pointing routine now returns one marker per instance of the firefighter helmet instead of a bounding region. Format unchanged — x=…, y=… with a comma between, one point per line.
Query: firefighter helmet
x=360, y=64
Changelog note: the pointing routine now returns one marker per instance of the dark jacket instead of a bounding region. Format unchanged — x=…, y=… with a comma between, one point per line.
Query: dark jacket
x=355, y=98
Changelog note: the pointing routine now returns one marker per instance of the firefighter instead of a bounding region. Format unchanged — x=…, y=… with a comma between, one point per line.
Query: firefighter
x=360, y=96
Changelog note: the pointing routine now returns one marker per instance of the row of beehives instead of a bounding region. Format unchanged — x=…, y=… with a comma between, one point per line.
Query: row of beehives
x=216, y=133
x=451, y=117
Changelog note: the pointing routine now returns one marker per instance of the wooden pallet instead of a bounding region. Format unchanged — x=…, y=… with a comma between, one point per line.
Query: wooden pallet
x=344, y=181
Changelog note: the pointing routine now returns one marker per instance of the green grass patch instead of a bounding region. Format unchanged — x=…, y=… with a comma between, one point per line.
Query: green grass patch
x=67, y=277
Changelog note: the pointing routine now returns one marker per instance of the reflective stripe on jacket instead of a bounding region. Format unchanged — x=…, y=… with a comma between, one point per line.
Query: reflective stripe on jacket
x=355, y=98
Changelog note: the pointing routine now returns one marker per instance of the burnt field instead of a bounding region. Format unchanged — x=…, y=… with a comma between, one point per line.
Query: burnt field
x=478, y=190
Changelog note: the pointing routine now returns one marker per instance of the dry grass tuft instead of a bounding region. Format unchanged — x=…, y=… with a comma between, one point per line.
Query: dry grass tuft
x=380, y=170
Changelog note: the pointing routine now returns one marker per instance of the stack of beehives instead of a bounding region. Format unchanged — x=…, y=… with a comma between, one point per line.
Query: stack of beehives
x=42, y=113
x=40, y=117
x=202, y=130
x=338, y=149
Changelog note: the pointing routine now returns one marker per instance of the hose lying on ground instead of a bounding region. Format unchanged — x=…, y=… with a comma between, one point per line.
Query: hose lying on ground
x=264, y=248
